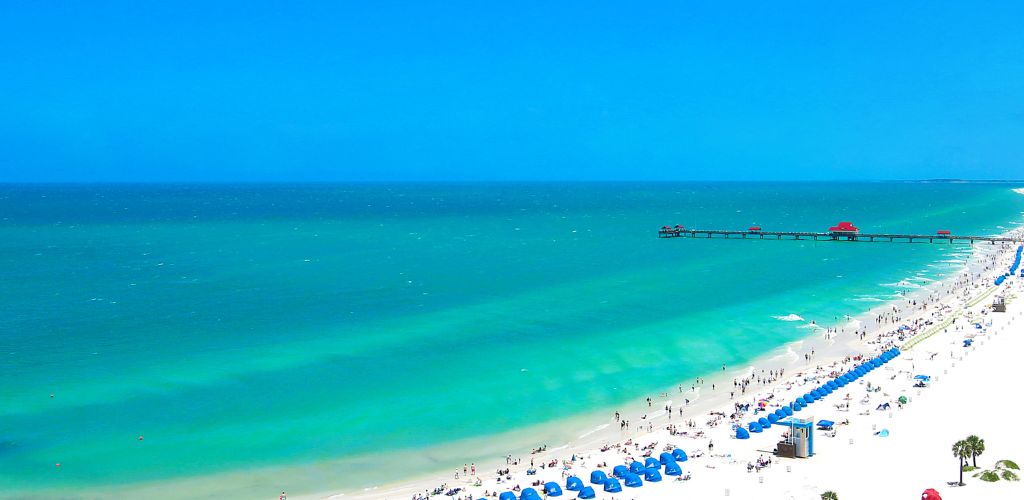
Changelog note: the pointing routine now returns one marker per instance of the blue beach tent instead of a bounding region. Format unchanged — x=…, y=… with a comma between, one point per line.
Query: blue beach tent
x=798, y=405
x=529, y=494
x=673, y=469
x=573, y=483
x=787, y=410
x=633, y=481
x=620, y=471
x=637, y=468
x=612, y=485
x=587, y=493
x=553, y=489
x=652, y=463
x=826, y=424
x=742, y=433
x=754, y=427
x=652, y=476
x=666, y=457
x=832, y=384
x=781, y=413
x=596, y=477
x=680, y=455
x=773, y=418
x=764, y=423
x=508, y=495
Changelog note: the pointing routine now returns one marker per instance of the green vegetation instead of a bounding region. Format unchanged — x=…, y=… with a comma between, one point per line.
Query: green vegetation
x=976, y=446
x=829, y=495
x=962, y=452
x=1004, y=469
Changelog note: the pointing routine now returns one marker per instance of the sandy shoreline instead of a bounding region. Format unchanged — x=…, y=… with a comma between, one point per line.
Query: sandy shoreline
x=649, y=425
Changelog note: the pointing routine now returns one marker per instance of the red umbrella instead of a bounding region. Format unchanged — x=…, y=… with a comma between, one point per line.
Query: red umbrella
x=930, y=494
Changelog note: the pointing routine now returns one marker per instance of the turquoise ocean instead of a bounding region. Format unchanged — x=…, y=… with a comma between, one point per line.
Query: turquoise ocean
x=299, y=329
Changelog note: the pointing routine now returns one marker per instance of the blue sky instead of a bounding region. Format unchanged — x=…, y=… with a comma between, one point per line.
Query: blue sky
x=339, y=91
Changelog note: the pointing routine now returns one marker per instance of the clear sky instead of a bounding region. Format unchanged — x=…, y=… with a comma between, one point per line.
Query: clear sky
x=481, y=90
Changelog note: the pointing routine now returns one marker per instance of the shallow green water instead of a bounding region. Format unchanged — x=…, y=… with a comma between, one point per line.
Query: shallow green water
x=242, y=326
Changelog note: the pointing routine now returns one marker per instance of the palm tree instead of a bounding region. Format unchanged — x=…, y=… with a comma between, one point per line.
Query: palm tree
x=829, y=495
x=961, y=451
x=976, y=445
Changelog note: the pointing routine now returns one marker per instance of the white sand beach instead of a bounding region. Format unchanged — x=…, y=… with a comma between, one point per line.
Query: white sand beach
x=971, y=391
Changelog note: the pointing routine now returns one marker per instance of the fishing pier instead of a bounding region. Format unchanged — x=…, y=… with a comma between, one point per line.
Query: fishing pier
x=845, y=231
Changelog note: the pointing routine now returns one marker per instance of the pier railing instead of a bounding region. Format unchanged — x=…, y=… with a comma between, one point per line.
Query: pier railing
x=828, y=236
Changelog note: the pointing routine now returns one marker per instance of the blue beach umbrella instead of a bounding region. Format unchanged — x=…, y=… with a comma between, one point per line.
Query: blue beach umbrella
x=787, y=410
x=680, y=455
x=633, y=481
x=596, y=477
x=753, y=427
x=529, y=494
x=765, y=424
x=780, y=413
x=612, y=485
x=797, y=405
x=507, y=495
x=637, y=468
x=552, y=489
x=673, y=469
x=652, y=463
x=773, y=418
x=666, y=457
x=652, y=476
x=742, y=433
x=586, y=493
x=620, y=471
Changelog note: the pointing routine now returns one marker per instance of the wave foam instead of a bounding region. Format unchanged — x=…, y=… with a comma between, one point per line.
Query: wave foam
x=789, y=317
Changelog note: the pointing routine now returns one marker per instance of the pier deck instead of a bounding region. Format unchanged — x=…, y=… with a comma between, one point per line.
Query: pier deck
x=828, y=236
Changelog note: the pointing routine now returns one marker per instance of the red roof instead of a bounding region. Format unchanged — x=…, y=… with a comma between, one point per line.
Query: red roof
x=755, y=228
x=943, y=231
x=845, y=226
x=679, y=226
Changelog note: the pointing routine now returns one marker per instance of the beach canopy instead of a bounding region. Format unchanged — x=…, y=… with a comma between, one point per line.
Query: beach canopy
x=634, y=481
x=673, y=469
x=884, y=433
x=680, y=455
x=553, y=489
x=587, y=493
x=773, y=418
x=902, y=400
x=666, y=457
x=508, y=495
x=742, y=433
x=529, y=494
x=930, y=494
x=652, y=476
x=652, y=463
x=788, y=411
x=596, y=477
x=620, y=471
x=573, y=483
x=922, y=377
x=798, y=404
x=765, y=424
x=753, y=427
x=832, y=384
x=826, y=423
x=780, y=413
x=637, y=468
x=612, y=485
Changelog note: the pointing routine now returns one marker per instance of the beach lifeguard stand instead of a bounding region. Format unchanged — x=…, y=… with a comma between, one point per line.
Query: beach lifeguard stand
x=800, y=442
x=999, y=304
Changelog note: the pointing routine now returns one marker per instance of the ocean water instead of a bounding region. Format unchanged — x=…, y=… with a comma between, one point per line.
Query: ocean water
x=282, y=328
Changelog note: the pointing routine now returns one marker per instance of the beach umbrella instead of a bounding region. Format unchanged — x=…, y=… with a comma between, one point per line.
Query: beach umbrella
x=680, y=455
x=797, y=405
x=612, y=485
x=508, y=495
x=666, y=457
x=922, y=377
x=652, y=476
x=765, y=424
x=636, y=468
x=652, y=463
x=673, y=469
x=832, y=384
x=808, y=399
x=596, y=477
x=773, y=418
x=634, y=481
x=753, y=427
x=930, y=494
x=552, y=489
x=529, y=494
x=826, y=423
x=780, y=413
x=884, y=433
x=586, y=493
x=902, y=400
x=620, y=471
x=742, y=433
x=787, y=410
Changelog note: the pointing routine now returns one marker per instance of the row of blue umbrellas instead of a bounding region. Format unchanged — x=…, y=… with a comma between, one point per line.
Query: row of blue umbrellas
x=816, y=394
x=632, y=476
x=1013, y=267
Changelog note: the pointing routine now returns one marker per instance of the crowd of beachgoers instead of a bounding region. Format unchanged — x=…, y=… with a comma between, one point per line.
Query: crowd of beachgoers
x=703, y=424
